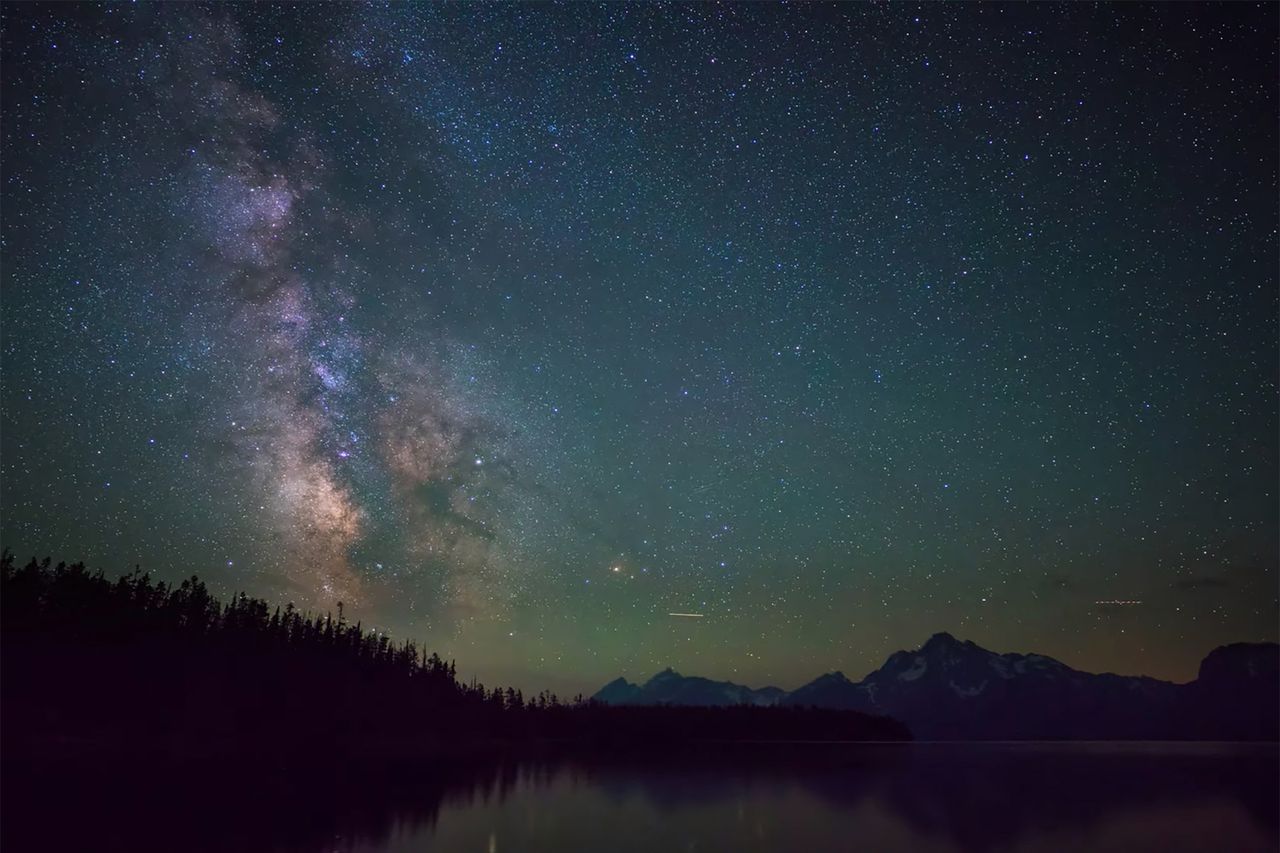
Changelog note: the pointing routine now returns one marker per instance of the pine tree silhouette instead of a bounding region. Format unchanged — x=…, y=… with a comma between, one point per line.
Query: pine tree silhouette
x=136, y=662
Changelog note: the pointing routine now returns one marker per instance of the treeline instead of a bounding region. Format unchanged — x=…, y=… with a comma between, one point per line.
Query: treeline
x=133, y=664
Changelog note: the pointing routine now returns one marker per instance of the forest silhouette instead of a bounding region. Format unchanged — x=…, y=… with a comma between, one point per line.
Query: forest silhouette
x=133, y=666
x=158, y=717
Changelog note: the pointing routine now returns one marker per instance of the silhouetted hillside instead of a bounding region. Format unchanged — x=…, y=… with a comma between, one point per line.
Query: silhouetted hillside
x=1237, y=692
x=134, y=666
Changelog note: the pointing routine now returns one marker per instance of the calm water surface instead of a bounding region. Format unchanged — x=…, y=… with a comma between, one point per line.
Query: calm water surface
x=921, y=797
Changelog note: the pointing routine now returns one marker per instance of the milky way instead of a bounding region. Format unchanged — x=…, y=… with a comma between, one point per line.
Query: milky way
x=289, y=402
x=517, y=329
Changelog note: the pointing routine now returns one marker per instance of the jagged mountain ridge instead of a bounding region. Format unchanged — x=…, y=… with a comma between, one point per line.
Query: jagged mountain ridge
x=953, y=689
x=671, y=688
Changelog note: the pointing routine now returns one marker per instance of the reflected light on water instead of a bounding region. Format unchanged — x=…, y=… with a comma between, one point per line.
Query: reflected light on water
x=784, y=798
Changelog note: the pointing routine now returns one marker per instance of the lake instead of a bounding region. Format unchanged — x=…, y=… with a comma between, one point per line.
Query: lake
x=774, y=799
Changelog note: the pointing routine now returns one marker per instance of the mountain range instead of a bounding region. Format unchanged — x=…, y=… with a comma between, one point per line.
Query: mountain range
x=950, y=689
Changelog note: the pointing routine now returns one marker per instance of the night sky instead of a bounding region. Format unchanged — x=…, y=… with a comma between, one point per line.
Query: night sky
x=518, y=328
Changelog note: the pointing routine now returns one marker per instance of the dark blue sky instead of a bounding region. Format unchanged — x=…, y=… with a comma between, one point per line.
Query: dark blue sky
x=517, y=328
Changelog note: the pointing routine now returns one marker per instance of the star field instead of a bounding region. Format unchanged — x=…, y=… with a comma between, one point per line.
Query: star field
x=518, y=328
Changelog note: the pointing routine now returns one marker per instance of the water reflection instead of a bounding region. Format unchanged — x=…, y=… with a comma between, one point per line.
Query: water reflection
x=924, y=797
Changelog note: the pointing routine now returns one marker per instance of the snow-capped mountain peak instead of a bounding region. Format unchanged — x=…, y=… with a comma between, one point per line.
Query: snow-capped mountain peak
x=951, y=688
